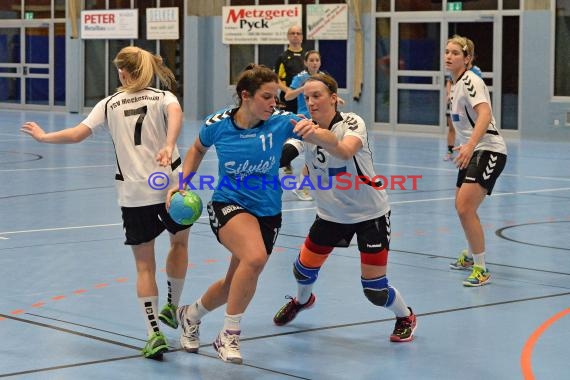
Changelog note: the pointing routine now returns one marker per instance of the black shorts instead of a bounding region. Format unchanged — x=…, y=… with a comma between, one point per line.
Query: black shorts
x=221, y=213
x=372, y=235
x=484, y=168
x=145, y=223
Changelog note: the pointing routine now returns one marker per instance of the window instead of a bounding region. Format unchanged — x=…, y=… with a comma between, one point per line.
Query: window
x=333, y=52
x=562, y=49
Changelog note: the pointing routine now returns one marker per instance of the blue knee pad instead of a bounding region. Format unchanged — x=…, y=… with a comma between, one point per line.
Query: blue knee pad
x=378, y=291
x=304, y=275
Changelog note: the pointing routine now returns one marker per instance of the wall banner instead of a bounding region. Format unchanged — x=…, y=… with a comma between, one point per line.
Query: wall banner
x=259, y=24
x=162, y=23
x=327, y=22
x=112, y=24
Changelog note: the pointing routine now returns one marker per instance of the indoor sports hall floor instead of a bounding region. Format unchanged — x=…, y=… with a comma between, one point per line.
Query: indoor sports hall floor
x=68, y=308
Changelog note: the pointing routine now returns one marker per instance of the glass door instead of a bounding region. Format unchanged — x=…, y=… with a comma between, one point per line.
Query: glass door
x=418, y=82
x=419, y=98
x=10, y=65
x=26, y=58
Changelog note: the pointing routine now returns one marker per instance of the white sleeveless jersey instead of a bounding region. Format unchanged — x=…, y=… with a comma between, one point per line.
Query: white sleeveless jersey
x=469, y=91
x=333, y=179
x=138, y=125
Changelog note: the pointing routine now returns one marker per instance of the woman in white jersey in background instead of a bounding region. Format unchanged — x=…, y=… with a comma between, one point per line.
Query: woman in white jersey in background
x=144, y=123
x=344, y=210
x=450, y=129
x=482, y=154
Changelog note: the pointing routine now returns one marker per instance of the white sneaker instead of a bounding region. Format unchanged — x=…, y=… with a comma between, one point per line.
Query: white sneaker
x=227, y=345
x=303, y=194
x=190, y=337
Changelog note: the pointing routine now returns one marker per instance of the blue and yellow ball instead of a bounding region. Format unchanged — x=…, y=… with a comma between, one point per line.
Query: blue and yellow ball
x=185, y=209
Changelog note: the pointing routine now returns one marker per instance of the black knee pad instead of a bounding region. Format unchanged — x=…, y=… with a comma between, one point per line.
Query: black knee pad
x=377, y=297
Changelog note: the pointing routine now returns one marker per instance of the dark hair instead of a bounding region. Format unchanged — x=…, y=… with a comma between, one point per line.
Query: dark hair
x=327, y=80
x=252, y=77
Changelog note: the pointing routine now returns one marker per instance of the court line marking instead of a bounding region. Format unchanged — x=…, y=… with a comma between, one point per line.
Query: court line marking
x=310, y=330
x=451, y=170
x=288, y=210
x=138, y=356
x=526, y=355
x=439, y=312
x=454, y=170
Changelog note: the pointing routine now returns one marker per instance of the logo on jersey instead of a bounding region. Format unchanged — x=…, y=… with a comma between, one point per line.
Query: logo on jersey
x=352, y=122
x=470, y=87
x=246, y=168
x=217, y=117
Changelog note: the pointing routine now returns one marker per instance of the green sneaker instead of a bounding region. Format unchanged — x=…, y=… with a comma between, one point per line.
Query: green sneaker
x=168, y=316
x=463, y=262
x=155, y=346
x=478, y=277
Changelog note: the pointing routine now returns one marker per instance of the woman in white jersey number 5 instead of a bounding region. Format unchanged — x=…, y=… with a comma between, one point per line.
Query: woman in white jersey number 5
x=482, y=154
x=336, y=144
x=144, y=123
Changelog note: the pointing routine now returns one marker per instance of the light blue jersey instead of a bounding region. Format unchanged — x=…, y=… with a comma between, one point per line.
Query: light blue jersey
x=248, y=168
x=477, y=71
x=298, y=81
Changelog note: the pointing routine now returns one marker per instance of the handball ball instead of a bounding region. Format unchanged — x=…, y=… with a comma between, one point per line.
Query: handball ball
x=185, y=209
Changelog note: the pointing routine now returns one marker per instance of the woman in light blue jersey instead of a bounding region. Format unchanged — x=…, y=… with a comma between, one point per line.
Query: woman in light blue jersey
x=245, y=210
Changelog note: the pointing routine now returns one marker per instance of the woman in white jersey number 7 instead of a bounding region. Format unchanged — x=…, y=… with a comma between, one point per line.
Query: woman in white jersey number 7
x=144, y=123
x=336, y=144
x=482, y=154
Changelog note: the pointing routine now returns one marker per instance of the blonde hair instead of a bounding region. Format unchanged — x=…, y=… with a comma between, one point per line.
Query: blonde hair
x=142, y=67
x=467, y=46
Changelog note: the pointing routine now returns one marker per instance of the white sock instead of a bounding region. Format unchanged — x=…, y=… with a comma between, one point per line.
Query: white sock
x=149, y=307
x=196, y=311
x=232, y=322
x=479, y=260
x=175, y=286
x=304, y=293
x=469, y=251
x=399, y=306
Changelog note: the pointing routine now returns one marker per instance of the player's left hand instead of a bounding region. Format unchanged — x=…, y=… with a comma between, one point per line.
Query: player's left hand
x=164, y=156
x=464, y=156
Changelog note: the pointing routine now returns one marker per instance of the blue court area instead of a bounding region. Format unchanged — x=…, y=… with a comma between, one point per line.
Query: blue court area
x=68, y=307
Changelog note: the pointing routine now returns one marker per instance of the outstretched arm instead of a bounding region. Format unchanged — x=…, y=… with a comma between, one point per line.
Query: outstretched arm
x=164, y=156
x=344, y=149
x=66, y=136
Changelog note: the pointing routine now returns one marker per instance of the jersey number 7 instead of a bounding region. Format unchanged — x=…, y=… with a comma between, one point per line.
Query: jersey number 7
x=138, y=126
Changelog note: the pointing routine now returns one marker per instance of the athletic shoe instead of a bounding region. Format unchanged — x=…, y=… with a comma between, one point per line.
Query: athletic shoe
x=168, y=316
x=463, y=262
x=448, y=157
x=288, y=170
x=289, y=311
x=155, y=346
x=190, y=337
x=478, y=277
x=303, y=194
x=404, y=329
x=227, y=346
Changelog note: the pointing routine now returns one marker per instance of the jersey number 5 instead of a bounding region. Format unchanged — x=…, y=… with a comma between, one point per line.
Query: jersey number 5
x=138, y=126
